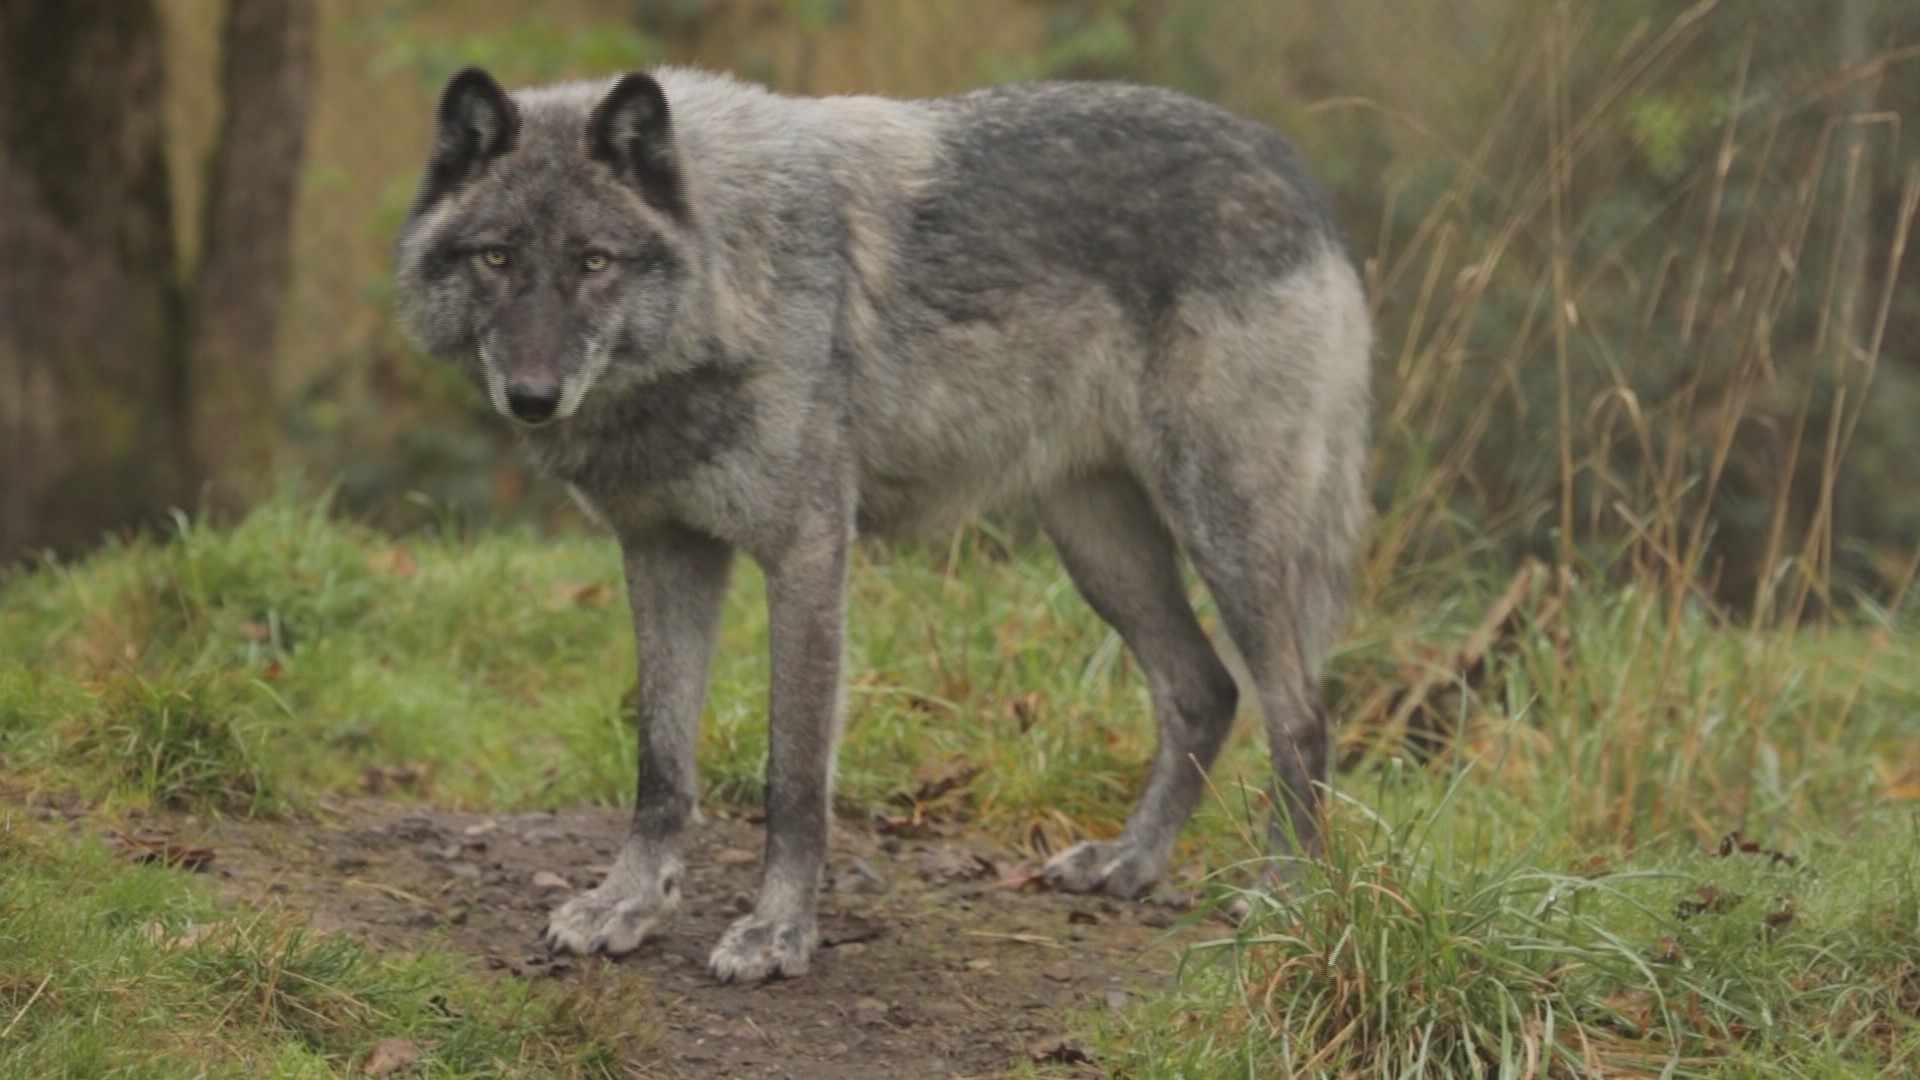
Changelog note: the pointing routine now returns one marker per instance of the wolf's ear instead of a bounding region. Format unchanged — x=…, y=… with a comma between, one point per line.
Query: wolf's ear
x=477, y=123
x=631, y=132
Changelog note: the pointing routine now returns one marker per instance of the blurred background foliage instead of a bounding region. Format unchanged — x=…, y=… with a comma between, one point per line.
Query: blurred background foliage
x=1637, y=265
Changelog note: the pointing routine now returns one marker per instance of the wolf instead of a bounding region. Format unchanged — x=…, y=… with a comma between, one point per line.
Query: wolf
x=732, y=320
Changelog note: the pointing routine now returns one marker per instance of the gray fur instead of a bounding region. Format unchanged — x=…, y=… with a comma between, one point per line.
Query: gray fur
x=825, y=317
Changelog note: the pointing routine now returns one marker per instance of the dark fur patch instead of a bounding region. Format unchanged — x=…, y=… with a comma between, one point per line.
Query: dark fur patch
x=1136, y=190
x=477, y=123
x=632, y=133
x=652, y=436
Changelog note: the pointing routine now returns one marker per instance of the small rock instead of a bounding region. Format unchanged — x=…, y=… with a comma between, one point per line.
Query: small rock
x=867, y=873
x=1059, y=973
x=423, y=920
x=979, y=965
x=733, y=856
x=350, y=863
x=415, y=827
x=547, y=879
x=1117, y=999
x=464, y=871
x=869, y=1012
x=481, y=828
x=852, y=948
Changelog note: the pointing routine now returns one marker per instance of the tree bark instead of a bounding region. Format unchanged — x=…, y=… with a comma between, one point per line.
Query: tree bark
x=234, y=318
x=90, y=386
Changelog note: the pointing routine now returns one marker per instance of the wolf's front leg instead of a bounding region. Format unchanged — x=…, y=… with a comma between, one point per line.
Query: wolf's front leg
x=806, y=607
x=676, y=580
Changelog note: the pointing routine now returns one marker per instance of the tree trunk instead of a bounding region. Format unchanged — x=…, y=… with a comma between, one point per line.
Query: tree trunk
x=90, y=387
x=233, y=322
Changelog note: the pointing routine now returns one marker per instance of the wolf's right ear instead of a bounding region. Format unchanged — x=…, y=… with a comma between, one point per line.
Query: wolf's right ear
x=630, y=132
x=477, y=122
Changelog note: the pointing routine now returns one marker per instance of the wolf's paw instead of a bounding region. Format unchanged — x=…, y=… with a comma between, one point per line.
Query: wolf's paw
x=756, y=947
x=614, y=918
x=1115, y=867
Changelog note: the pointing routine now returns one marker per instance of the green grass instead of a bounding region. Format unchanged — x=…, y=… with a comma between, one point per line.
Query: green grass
x=108, y=969
x=1512, y=904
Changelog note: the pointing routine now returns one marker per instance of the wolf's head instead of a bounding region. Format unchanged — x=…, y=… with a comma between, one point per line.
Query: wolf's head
x=551, y=243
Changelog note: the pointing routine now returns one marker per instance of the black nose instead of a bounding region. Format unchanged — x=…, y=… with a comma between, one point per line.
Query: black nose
x=533, y=402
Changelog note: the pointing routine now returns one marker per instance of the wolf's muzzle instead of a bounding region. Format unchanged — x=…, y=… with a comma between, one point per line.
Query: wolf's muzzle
x=533, y=402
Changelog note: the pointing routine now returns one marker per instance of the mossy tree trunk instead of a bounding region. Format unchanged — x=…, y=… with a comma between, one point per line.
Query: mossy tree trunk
x=233, y=318
x=90, y=383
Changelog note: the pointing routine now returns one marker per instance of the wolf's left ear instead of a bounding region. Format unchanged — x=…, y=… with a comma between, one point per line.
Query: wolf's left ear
x=631, y=132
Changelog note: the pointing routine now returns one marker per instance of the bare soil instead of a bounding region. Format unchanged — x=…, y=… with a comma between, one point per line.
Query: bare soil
x=938, y=958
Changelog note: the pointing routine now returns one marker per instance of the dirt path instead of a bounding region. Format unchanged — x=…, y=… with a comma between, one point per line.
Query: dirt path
x=936, y=962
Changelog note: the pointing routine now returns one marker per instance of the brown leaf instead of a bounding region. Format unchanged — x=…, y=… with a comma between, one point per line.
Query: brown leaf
x=912, y=825
x=396, y=560
x=848, y=931
x=256, y=631
x=1063, y=1053
x=583, y=593
x=1779, y=918
x=1669, y=951
x=376, y=779
x=937, y=778
x=1737, y=843
x=164, y=850
x=1024, y=875
x=391, y=1057
x=946, y=864
x=1025, y=710
x=1707, y=900
x=1059, y=973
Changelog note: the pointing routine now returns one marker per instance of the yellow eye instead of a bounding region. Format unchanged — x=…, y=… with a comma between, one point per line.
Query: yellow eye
x=593, y=263
x=494, y=257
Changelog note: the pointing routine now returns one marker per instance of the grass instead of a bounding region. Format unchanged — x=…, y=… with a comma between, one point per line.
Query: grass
x=1520, y=898
x=108, y=969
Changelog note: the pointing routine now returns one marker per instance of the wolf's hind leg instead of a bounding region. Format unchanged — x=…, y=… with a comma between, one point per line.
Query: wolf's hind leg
x=676, y=580
x=1121, y=557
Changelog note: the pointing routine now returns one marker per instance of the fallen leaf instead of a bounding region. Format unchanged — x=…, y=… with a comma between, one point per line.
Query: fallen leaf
x=1063, y=1053
x=849, y=931
x=397, y=560
x=376, y=779
x=1736, y=843
x=1780, y=917
x=937, y=778
x=164, y=850
x=733, y=856
x=547, y=879
x=1059, y=973
x=391, y=1057
x=256, y=631
x=1669, y=951
x=1707, y=900
x=584, y=594
x=946, y=864
x=1024, y=875
x=1025, y=710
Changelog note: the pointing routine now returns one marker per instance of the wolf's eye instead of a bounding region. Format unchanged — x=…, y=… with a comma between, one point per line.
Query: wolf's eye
x=494, y=257
x=593, y=263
